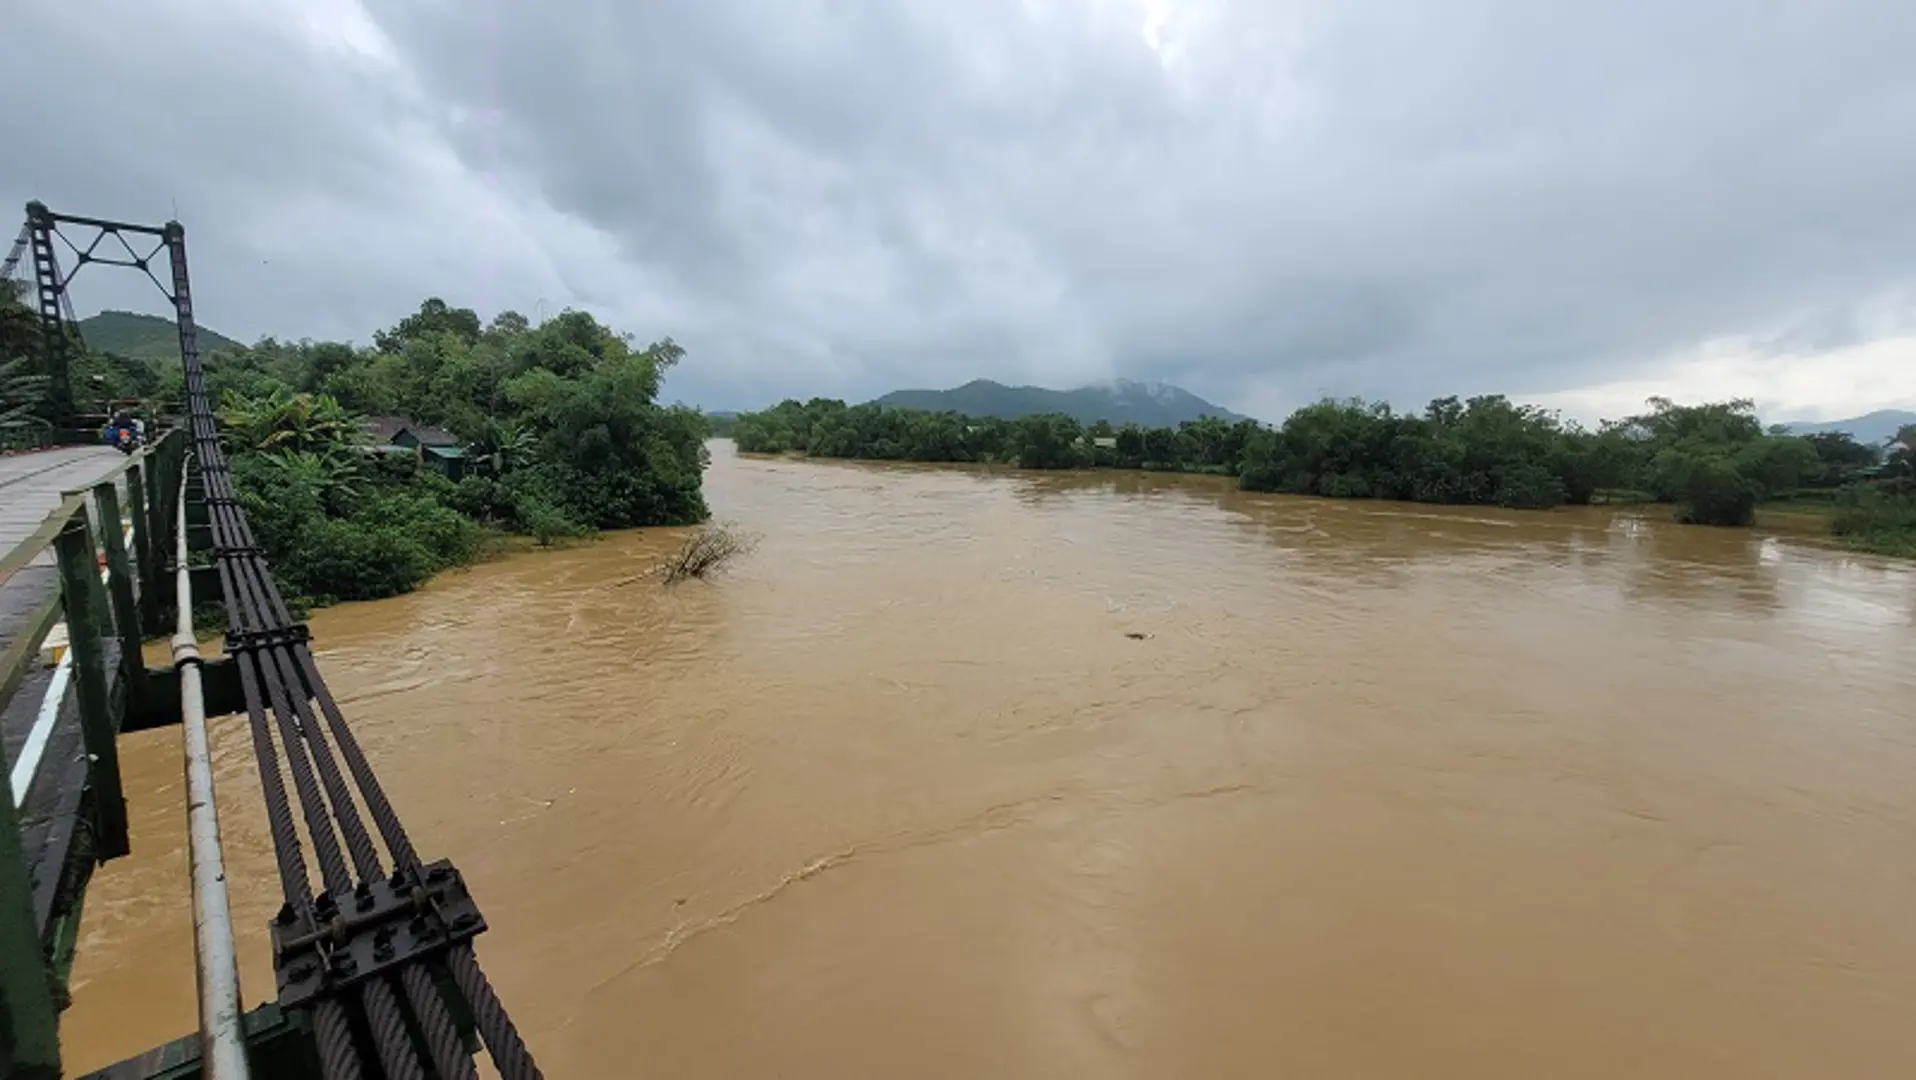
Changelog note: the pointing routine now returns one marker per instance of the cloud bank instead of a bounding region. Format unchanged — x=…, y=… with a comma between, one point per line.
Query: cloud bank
x=1262, y=201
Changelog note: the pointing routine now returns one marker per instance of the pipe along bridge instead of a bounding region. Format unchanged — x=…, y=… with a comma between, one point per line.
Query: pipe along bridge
x=375, y=970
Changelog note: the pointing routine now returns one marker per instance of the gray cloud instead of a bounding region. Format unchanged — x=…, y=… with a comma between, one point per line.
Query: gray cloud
x=1388, y=198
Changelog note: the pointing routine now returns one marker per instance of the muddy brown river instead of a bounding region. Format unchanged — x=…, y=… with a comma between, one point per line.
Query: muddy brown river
x=971, y=774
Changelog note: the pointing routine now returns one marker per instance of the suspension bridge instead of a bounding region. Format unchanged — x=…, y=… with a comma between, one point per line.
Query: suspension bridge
x=375, y=972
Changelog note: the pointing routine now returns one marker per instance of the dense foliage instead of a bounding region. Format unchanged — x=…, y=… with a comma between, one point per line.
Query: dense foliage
x=27, y=415
x=1882, y=516
x=828, y=428
x=559, y=422
x=1714, y=462
x=23, y=385
x=1879, y=518
x=20, y=391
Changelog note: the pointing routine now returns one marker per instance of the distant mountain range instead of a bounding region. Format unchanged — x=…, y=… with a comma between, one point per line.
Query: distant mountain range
x=1871, y=428
x=1121, y=402
x=145, y=337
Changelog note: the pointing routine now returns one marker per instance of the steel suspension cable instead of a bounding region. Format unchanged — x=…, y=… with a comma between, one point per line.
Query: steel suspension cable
x=279, y=679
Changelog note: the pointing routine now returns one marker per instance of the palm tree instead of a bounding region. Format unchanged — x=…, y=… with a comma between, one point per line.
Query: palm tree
x=335, y=478
x=284, y=422
x=21, y=392
x=508, y=444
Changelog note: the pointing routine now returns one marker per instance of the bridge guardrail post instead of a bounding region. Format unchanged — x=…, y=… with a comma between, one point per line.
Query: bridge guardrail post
x=162, y=492
x=175, y=460
x=29, y=1020
x=145, y=558
x=169, y=473
x=82, y=595
x=119, y=588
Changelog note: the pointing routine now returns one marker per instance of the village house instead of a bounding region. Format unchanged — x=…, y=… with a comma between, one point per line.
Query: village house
x=434, y=446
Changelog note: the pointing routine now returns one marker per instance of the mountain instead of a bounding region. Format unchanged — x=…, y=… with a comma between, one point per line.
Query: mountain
x=1871, y=428
x=145, y=337
x=1121, y=402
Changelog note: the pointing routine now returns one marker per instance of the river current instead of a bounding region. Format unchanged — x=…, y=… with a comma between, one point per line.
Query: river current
x=968, y=773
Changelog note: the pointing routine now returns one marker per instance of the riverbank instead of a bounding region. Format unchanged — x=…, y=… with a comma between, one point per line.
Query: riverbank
x=1813, y=519
x=1712, y=463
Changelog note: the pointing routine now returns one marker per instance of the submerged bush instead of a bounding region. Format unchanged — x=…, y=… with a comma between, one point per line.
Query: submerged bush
x=1713, y=492
x=706, y=552
x=545, y=522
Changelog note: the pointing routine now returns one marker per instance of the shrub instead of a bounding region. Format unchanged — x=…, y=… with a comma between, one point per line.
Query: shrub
x=1530, y=487
x=1712, y=492
x=706, y=552
x=354, y=560
x=545, y=522
x=1876, y=519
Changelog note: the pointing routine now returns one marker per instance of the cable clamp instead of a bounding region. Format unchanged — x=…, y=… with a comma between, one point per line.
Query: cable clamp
x=371, y=930
x=243, y=641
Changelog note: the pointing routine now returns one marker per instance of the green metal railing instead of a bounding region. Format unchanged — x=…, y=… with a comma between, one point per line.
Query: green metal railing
x=111, y=598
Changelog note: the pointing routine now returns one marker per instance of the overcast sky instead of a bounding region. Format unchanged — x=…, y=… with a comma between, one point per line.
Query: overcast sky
x=1264, y=201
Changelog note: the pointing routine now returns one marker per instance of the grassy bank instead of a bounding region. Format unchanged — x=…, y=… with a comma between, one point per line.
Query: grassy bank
x=1877, y=520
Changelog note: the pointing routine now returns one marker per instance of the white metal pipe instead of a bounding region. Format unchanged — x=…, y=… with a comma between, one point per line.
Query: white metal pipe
x=222, y=1032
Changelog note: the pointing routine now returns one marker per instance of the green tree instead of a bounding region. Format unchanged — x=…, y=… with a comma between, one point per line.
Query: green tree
x=22, y=393
x=281, y=421
x=1710, y=490
x=608, y=454
x=1839, y=451
x=560, y=420
x=25, y=408
x=1050, y=441
x=433, y=320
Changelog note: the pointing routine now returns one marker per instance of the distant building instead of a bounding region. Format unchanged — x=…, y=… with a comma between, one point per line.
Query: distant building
x=1105, y=442
x=434, y=446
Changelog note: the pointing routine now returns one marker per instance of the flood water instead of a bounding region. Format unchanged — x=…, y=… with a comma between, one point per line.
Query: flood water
x=970, y=774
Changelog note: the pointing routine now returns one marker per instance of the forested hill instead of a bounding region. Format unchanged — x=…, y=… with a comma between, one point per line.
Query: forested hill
x=145, y=337
x=1871, y=429
x=1121, y=402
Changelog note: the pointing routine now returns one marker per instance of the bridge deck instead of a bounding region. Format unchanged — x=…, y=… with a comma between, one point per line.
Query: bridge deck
x=31, y=485
x=48, y=799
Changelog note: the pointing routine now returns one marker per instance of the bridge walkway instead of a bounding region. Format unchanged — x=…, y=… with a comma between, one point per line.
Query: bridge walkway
x=32, y=486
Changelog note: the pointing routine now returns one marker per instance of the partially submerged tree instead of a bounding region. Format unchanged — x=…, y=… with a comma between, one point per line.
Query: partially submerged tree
x=706, y=552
